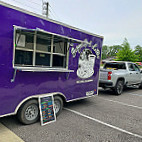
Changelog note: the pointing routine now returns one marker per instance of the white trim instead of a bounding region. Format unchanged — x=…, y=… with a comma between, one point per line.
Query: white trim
x=41, y=30
x=37, y=96
x=38, y=51
x=32, y=97
x=24, y=49
x=67, y=60
x=34, y=48
x=45, y=18
x=41, y=69
x=99, y=73
x=20, y=27
x=82, y=98
x=8, y=114
x=14, y=35
x=51, y=54
x=34, y=51
x=60, y=54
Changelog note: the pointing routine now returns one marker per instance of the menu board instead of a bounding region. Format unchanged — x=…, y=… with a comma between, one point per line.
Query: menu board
x=47, y=112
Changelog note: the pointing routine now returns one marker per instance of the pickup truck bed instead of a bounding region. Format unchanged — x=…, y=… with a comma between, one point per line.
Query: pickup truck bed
x=116, y=75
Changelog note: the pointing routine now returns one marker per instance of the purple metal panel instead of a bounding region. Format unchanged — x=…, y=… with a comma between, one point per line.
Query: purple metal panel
x=33, y=83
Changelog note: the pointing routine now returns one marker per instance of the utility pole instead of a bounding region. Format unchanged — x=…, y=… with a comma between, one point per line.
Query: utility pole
x=45, y=10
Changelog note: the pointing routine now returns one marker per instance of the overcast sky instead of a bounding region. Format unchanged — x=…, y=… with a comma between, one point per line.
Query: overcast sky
x=113, y=19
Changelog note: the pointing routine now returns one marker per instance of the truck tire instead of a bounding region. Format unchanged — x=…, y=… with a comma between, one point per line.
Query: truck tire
x=29, y=112
x=140, y=85
x=119, y=87
x=58, y=105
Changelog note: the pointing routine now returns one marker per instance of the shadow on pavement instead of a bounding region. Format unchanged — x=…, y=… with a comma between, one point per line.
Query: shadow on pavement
x=109, y=92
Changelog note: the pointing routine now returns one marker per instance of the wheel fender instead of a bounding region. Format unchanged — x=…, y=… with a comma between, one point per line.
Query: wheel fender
x=36, y=97
x=120, y=78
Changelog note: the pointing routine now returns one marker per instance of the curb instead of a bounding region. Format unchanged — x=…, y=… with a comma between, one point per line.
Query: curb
x=7, y=135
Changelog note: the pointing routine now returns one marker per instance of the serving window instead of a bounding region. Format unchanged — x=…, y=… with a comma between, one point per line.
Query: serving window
x=24, y=47
x=38, y=49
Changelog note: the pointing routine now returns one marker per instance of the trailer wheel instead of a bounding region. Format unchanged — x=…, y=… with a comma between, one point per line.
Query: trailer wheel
x=119, y=87
x=58, y=105
x=29, y=112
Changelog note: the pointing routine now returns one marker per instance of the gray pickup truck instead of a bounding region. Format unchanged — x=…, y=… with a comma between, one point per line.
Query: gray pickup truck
x=117, y=75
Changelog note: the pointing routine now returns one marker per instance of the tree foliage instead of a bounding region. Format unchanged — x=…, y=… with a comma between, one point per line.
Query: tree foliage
x=138, y=52
x=110, y=51
x=126, y=53
x=122, y=52
x=114, y=49
x=104, y=52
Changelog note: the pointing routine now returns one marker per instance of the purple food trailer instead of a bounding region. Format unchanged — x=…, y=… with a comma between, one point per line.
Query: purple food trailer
x=40, y=56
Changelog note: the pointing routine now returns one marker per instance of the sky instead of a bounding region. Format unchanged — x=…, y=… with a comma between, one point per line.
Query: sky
x=112, y=19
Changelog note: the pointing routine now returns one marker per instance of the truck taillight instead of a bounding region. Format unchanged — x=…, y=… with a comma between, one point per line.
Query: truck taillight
x=109, y=75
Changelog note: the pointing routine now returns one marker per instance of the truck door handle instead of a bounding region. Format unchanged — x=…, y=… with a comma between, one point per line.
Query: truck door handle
x=136, y=73
x=130, y=73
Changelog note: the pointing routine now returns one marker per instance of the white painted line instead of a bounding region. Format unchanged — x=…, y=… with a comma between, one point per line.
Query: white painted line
x=103, y=123
x=122, y=103
x=135, y=94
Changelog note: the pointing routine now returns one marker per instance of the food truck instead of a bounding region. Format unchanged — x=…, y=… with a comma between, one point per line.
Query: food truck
x=41, y=57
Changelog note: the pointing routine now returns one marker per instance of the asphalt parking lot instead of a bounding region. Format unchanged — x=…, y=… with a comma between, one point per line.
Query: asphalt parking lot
x=103, y=118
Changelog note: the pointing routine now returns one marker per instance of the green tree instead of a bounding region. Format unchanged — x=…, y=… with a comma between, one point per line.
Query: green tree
x=104, y=52
x=110, y=51
x=113, y=50
x=138, y=52
x=126, y=53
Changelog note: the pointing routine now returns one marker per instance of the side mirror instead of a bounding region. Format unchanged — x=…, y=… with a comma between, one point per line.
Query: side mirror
x=140, y=71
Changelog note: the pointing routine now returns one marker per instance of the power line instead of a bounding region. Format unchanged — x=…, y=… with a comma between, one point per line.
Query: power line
x=46, y=10
x=35, y=2
x=54, y=12
x=26, y=5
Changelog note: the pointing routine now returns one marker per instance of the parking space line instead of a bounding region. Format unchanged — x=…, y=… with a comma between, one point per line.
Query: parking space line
x=103, y=123
x=122, y=103
x=7, y=135
x=135, y=94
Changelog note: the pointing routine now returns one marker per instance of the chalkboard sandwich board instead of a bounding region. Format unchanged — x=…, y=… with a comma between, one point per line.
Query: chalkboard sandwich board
x=47, y=112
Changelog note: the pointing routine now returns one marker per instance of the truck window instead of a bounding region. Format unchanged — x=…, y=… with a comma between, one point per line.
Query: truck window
x=34, y=48
x=136, y=68
x=115, y=65
x=131, y=67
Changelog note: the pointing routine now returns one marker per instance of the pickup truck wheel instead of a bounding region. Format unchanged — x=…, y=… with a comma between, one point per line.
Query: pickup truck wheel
x=119, y=87
x=140, y=85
